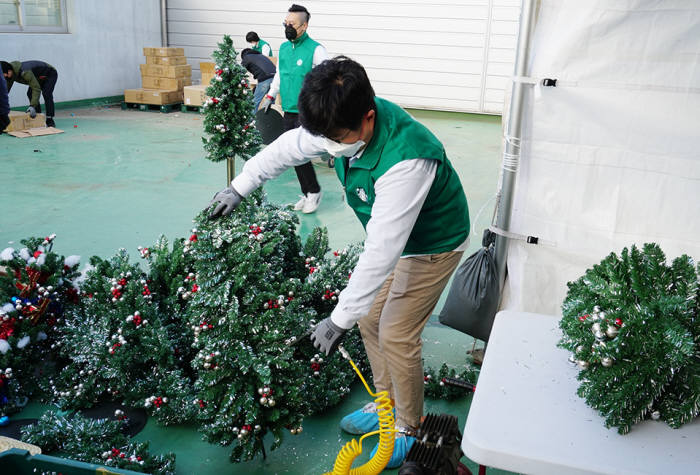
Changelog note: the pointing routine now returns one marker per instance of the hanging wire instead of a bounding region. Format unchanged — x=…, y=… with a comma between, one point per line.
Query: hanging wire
x=476, y=220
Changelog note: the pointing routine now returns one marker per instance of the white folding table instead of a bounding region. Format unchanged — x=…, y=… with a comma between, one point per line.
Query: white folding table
x=527, y=418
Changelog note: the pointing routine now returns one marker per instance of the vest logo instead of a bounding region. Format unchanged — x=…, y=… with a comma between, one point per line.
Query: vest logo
x=362, y=194
x=299, y=62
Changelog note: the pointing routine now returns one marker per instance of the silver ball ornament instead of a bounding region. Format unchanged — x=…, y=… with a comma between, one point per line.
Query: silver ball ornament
x=582, y=364
x=606, y=361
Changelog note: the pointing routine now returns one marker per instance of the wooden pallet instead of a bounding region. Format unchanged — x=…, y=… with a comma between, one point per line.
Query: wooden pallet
x=165, y=108
x=189, y=108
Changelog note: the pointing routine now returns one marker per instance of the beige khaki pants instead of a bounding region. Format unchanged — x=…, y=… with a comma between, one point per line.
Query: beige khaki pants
x=392, y=330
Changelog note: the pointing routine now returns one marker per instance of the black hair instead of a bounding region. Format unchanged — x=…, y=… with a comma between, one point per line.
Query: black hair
x=5, y=66
x=299, y=9
x=251, y=37
x=335, y=95
x=248, y=51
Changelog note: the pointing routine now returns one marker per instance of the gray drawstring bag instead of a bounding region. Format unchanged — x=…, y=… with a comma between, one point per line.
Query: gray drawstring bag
x=474, y=296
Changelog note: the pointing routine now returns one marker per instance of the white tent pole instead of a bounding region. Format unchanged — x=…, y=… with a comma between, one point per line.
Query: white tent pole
x=511, y=153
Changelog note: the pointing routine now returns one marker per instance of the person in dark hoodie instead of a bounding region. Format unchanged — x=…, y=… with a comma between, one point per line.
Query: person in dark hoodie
x=262, y=70
x=4, y=105
x=41, y=78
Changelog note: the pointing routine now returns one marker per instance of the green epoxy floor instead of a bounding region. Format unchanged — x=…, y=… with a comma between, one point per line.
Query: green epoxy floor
x=122, y=178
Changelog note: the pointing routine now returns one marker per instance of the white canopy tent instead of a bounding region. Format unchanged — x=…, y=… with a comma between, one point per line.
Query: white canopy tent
x=610, y=156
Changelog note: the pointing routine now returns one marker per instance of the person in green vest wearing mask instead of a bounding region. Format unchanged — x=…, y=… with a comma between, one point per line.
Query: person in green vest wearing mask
x=296, y=58
x=261, y=46
x=400, y=184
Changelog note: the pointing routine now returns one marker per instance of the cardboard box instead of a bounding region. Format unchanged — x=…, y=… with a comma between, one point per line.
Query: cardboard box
x=166, y=60
x=21, y=121
x=36, y=132
x=168, y=84
x=207, y=67
x=208, y=72
x=163, y=52
x=156, y=70
x=206, y=79
x=150, y=96
x=195, y=95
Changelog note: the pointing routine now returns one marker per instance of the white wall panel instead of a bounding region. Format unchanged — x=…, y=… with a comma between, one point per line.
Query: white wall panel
x=445, y=55
x=100, y=54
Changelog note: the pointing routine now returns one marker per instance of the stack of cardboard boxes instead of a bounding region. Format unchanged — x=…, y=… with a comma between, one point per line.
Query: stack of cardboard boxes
x=195, y=95
x=163, y=77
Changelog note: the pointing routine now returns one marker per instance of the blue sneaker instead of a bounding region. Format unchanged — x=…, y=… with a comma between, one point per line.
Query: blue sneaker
x=361, y=421
x=402, y=445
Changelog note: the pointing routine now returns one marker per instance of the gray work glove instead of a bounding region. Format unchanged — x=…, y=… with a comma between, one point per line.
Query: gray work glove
x=266, y=103
x=31, y=111
x=327, y=335
x=227, y=200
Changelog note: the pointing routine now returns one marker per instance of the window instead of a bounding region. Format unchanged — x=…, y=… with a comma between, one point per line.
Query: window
x=33, y=16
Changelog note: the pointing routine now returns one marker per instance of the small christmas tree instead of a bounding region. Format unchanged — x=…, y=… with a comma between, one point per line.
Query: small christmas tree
x=116, y=346
x=229, y=120
x=632, y=326
x=35, y=287
x=95, y=441
x=259, y=295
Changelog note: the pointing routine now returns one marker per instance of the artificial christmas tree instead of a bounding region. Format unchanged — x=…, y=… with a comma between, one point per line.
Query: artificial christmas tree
x=438, y=387
x=116, y=347
x=632, y=326
x=259, y=295
x=172, y=282
x=95, y=441
x=35, y=287
x=229, y=119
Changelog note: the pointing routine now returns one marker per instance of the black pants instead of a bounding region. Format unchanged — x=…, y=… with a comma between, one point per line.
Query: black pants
x=47, y=84
x=305, y=173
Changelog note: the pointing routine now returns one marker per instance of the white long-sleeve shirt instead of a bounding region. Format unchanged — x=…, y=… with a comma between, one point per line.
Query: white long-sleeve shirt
x=320, y=55
x=399, y=197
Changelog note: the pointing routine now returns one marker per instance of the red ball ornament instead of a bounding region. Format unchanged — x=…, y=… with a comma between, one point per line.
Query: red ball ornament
x=583, y=317
x=618, y=322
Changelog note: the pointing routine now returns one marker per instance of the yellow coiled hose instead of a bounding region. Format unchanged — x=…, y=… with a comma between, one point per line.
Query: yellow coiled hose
x=346, y=456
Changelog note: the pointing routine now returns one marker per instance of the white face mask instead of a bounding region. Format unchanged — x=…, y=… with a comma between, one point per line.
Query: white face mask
x=342, y=149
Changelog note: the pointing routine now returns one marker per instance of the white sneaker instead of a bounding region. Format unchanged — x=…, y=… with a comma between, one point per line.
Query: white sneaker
x=300, y=204
x=312, y=202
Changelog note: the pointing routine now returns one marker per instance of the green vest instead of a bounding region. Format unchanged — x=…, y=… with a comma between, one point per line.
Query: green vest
x=443, y=222
x=260, y=45
x=295, y=61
